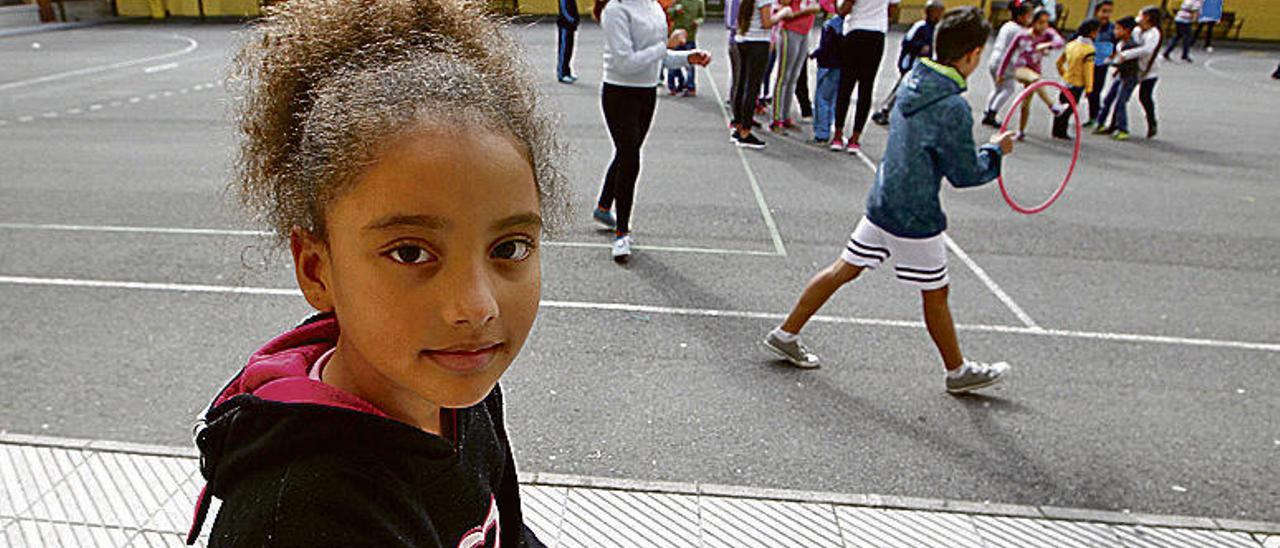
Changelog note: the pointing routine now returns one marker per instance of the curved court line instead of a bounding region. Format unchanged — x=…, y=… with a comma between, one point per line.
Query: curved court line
x=674, y=311
x=192, y=44
x=1208, y=65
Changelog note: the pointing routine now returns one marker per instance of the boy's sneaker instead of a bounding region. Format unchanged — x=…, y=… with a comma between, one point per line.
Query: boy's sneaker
x=604, y=218
x=1103, y=130
x=819, y=141
x=793, y=352
x=837, y=143
x=1121, y=135
x=622, y=248
x=690, y=92
x=974, y=375
x=852, y=147
x=1090, y=124
x=989, y=120
x=1061, y=135
x=750, y=141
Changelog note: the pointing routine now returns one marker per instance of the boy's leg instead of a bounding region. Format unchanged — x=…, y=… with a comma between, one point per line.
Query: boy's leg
x=824, y=102
x=817, y=292
x=1121, y=120
x=1095, y=96
x=937, y=318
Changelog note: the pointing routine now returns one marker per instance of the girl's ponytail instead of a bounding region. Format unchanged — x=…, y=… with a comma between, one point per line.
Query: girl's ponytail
x=744, y=15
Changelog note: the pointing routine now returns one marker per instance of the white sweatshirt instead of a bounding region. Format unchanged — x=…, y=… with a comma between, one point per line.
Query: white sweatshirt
x=635, y=43
x=1147, y=53
x=1007, y=33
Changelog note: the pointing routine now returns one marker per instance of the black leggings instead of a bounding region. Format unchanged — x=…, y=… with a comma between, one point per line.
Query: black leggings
x=861, y=51
x=752, y=59
x=1095, y=96
x=802, y=90
x=1146, y=95
x=628, y=112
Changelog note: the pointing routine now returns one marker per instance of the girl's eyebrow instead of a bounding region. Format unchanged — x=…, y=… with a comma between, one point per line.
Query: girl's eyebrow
x=523, y=219
x=430, y=222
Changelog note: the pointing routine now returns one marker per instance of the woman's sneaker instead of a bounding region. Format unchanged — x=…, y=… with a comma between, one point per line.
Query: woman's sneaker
x=622, y=248
x=975, y=375
x=837, y=143
x=793, y=352
x=604, y=218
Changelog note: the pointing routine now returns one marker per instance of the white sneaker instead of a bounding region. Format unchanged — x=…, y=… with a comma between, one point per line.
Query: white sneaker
x=974, y=375
x=622, y=248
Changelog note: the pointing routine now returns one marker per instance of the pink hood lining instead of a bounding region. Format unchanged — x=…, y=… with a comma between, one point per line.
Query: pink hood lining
x=278, y=370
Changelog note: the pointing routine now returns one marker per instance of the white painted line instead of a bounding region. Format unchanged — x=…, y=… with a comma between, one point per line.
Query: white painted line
x=167, y=93
x=1208, y=65
x=75, y=111
x=973, y=266
x=134, y=99
x=99, y=107
x=751, y=178
x=191, y=46
x=674, y=311
x=225, y=232
x=50, y=115
x=159, y=68
x=990, y=283
x=25, y=119
x=151, y=96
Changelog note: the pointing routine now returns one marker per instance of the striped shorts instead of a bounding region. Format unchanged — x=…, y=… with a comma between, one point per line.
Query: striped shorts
x=918, y=262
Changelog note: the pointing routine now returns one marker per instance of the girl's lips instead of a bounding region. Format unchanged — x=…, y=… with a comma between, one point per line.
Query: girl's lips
x=463, y=361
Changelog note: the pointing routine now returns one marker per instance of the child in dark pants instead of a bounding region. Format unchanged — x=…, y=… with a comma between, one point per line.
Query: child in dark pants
x=1105, y=45
x=829, y=62
x=1076, y=67
x=930, y=137
x=1122, y=86
x=567, y=27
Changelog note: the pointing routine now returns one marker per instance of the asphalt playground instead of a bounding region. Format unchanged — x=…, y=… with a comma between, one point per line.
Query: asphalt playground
x=1140, y=313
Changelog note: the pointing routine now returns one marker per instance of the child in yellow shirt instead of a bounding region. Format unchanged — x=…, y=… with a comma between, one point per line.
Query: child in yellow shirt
x=1076, y=67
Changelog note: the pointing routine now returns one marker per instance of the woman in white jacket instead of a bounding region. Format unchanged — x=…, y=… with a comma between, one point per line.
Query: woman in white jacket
x=636, y=48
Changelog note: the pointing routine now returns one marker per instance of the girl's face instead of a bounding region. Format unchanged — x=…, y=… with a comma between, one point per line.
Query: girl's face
x=432, y=268
x=1041, y=24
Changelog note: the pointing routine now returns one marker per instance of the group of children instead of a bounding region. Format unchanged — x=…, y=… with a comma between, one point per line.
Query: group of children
x=1126, y=49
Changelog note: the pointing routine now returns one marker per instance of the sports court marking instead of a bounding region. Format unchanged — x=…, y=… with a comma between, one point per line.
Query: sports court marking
x=1208, y=65
x=262, y=233
x=977, y=270
x=192, y=44
x=751, y=178
x=675, y=311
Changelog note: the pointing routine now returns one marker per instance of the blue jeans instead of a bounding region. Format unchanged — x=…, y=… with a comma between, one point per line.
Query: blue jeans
x=824, y=102
x=682, y=79
x=1118, y=96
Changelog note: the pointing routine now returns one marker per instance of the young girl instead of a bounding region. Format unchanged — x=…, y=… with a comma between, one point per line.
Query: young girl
x=399, y=149
x=1005, y=88
x=755, y=19
x=1022, y=62
x=636, y=47
x=793, y=49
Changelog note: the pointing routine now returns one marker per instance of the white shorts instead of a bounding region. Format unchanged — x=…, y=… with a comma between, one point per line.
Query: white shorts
x=918, y=262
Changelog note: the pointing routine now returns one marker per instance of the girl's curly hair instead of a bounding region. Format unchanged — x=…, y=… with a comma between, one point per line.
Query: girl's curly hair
x=322, y=83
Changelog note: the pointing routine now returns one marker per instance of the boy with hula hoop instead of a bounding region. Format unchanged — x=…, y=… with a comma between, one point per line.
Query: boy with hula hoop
x=930, y=137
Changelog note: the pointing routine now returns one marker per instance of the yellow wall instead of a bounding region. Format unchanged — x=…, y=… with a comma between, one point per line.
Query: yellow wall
x=190, y=8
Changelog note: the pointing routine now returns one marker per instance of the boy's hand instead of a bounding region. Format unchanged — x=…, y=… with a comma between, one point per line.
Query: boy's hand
x=1005, y=140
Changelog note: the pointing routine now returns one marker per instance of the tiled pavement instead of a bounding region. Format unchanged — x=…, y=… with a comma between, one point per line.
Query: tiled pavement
x=64, y=492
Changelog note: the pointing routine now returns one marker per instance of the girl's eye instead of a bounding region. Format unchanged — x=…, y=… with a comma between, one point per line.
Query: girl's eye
x=410, y=254
x=513, y=250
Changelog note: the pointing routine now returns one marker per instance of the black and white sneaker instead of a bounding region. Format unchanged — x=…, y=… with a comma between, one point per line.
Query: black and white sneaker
x=750, y=141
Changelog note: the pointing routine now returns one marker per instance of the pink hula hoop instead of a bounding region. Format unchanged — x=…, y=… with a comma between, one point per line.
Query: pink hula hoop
x=1075, y=111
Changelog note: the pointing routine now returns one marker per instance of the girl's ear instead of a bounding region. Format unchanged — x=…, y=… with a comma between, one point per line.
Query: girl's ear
x=311, y=267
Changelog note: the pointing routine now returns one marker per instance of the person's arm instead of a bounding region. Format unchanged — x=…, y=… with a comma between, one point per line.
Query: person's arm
x=1062, y=65
x=955, y=151
x=1146, y=46
x=622, y=52
x=770, y=15
x=1088, y=71
x=1009, y=53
